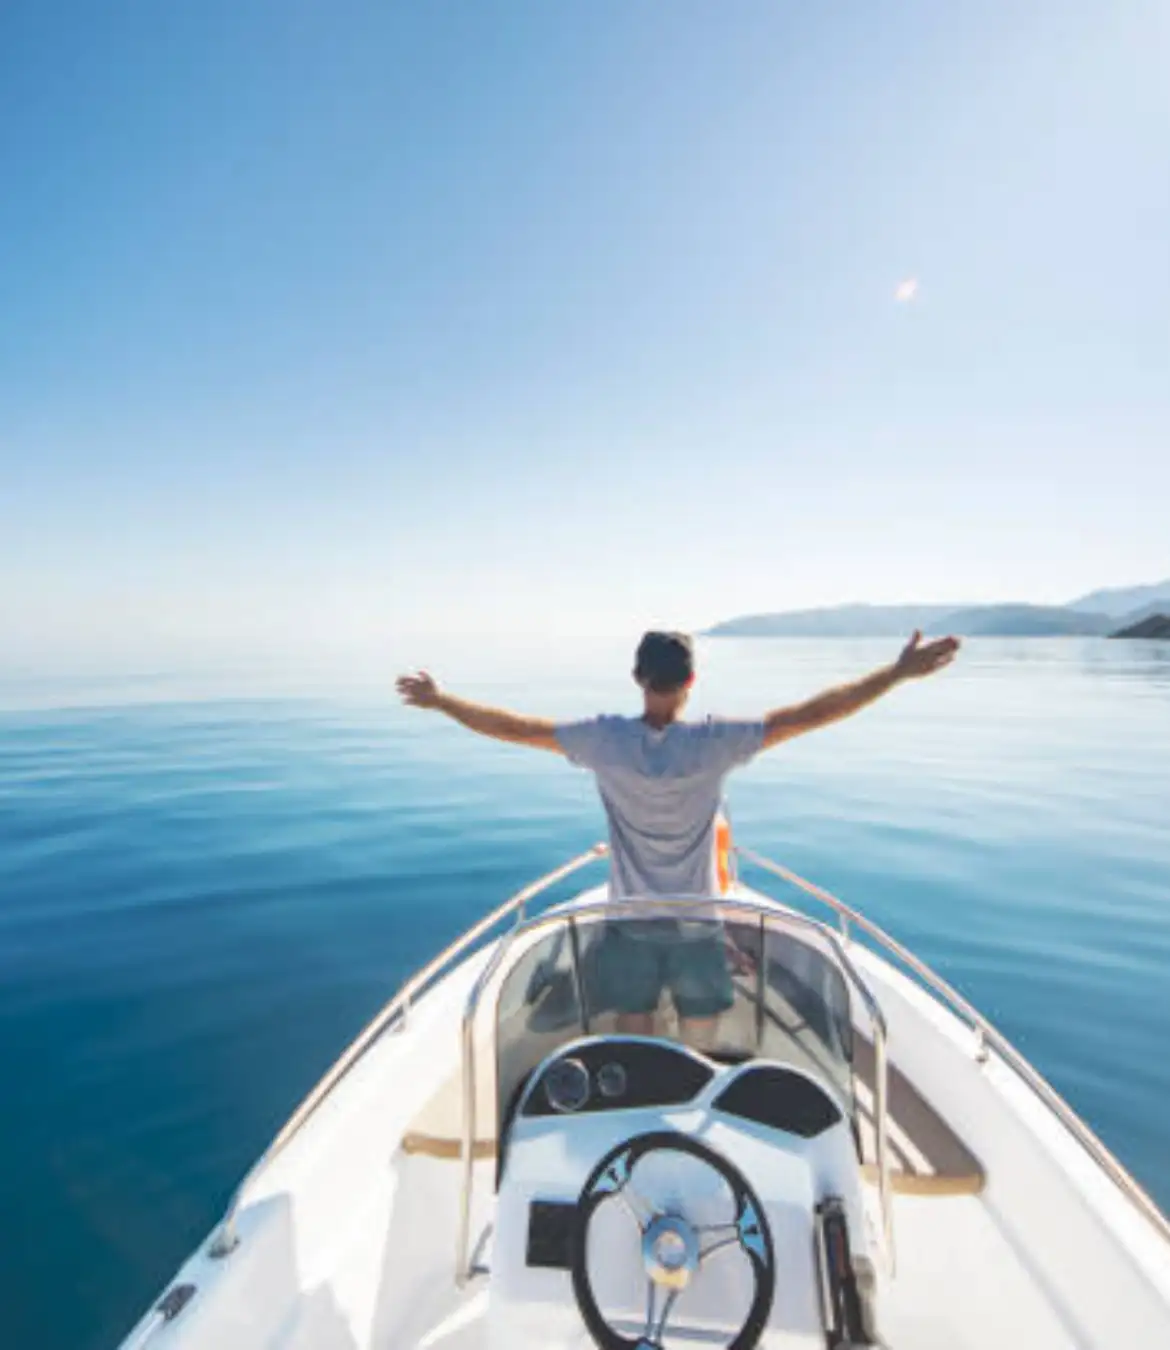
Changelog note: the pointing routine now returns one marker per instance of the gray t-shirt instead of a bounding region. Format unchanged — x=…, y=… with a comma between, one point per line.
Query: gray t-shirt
x=661, y=789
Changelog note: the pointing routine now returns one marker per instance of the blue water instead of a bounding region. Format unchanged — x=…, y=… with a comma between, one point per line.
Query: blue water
x=207, y=885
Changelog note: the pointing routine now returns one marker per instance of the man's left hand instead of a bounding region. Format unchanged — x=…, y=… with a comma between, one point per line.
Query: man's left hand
x=920, y=658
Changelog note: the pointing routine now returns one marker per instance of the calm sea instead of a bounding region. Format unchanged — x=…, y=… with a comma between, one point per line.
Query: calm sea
x=207, y=885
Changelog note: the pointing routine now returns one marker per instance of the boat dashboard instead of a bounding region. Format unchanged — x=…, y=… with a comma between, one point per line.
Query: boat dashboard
x=628, y=1073
x=648, y=1190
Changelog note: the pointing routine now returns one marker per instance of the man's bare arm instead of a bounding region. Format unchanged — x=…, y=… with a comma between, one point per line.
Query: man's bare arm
x=917, y=660
x=421, y=691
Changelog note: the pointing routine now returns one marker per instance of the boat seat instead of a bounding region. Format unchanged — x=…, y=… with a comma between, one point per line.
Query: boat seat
x=434, y=1146
x=437, y=1130
x=927, y=1157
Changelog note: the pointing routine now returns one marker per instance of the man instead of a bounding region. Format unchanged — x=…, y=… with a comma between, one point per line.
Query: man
x=661, y=783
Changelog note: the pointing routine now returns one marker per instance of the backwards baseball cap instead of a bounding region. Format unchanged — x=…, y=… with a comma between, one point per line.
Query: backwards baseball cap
x=665, y=661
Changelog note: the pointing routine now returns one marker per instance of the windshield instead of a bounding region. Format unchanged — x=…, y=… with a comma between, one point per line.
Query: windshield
x=733, y=989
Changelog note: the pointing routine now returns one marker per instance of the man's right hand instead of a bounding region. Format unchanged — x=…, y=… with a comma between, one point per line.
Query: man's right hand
x=419, y=691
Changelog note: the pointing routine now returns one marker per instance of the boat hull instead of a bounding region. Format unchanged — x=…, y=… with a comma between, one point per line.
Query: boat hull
x=1008, y=1231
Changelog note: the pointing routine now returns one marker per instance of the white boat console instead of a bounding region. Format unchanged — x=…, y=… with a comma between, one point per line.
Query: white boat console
x=647, y=1190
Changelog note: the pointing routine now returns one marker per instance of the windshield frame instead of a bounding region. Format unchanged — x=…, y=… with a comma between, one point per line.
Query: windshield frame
x=789, y=1000
x=746, y=908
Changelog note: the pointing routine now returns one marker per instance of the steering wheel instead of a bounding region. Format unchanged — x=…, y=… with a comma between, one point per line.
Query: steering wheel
x=673, y=1248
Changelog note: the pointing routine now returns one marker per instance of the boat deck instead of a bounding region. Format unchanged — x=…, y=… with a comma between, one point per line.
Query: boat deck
x=962, y=1283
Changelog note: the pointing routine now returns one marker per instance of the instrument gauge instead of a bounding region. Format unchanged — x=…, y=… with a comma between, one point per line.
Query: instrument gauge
x=566, y=1085
x=611, y=1080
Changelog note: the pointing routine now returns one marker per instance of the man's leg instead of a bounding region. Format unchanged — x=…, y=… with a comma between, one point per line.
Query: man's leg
x=699, y=1032
x=630, y=980
x=700, y=984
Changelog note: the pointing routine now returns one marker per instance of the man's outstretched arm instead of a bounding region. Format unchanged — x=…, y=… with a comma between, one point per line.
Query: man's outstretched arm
x=918, y=658
x=421, y=691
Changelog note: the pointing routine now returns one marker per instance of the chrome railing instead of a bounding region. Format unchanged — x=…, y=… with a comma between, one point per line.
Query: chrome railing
x=986, y=1036
x=225, y=1238
x=681, y=907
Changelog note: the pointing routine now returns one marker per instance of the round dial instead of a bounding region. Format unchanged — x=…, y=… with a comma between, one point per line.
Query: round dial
x=566, y=1085
x=611, y=1080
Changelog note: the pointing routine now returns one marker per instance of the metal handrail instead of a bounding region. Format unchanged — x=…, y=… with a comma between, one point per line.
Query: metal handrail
x=144, y=1332
x=742, y=907
x=986, y=1034
x=225, y=1238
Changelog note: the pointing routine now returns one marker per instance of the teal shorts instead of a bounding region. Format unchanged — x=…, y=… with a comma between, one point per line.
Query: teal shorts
x=629, y=973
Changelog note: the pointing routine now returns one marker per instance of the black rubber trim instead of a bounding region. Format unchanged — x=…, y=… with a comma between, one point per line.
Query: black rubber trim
x=782, y=1099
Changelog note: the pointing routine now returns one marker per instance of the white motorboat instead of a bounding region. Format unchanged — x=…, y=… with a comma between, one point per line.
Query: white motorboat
x=852, y=1156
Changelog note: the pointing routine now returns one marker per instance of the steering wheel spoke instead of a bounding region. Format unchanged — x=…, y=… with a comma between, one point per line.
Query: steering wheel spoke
x=639, y=1208
x=615, y=1181
x=653, y=1331
x=722, y=1245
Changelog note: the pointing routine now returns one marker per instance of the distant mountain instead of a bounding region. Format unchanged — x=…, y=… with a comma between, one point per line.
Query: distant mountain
x=1123, y=601
x=1098, y=614
x=842, y=621
x=1024, y=621
x=1153, y=626
x=899, y=620
x=1128, y=619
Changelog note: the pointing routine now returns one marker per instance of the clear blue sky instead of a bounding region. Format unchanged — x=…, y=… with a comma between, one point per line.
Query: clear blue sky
x=320, y=321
